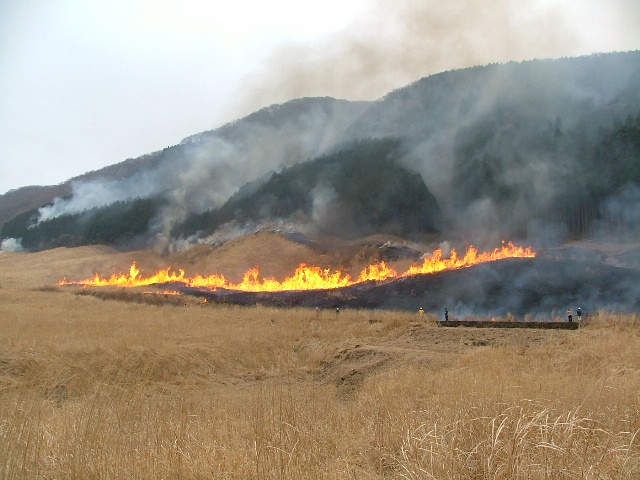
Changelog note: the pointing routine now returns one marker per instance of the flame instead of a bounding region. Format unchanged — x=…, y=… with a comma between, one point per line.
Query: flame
x=131, y=280
x=307, y=277
x=435, y=263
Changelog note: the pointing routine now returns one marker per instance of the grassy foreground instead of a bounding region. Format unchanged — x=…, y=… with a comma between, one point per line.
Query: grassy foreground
x=111, y=389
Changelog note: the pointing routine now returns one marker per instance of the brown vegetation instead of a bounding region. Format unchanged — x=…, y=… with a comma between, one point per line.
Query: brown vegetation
x=93, y=388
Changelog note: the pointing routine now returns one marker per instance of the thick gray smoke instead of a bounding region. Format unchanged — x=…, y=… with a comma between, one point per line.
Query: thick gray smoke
x=398, y=42
x=624, y=209
x=620, y=216
x=190, y=182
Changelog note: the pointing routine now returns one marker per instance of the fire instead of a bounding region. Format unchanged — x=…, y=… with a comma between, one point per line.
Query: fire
x=307, y=277
x=131, y=280
x=435, y=263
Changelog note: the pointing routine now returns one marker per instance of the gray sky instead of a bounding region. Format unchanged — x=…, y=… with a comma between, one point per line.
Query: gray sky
x=85, y=84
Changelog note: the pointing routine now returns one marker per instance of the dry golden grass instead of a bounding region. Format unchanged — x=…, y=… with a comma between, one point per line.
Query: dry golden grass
x=113, y=389
x=273, y=254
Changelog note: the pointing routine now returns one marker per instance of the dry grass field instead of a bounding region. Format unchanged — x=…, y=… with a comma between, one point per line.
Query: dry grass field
x=94, y=388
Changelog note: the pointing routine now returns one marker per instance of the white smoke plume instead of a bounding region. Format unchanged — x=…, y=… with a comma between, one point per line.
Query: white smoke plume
x=204, y=170
x=11, y=245
x=88, y=195
x=323, y=204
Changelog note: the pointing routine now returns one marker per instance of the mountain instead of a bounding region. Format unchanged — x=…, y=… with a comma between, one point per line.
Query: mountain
x=546, y=150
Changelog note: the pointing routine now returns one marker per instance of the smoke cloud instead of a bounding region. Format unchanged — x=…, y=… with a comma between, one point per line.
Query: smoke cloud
x=625, y=208
x=11, y=245
x=620, y=215
x=398, y=42
x=93, y=194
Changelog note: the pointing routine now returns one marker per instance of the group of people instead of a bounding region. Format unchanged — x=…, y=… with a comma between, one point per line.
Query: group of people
x=570, y=314
x=446, y=313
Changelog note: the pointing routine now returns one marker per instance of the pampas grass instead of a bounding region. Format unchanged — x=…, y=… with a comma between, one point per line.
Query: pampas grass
x=94, y=388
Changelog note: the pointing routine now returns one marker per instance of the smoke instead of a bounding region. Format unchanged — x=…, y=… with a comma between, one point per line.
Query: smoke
x=204, y=170
x=323, y=203
x=217, y=164
x=11, y=245
x=624, y=209
x=445, y=248
x=542, y=288
x=394, y=44
x=397, y=42
x=620, y=215
x=98, y=193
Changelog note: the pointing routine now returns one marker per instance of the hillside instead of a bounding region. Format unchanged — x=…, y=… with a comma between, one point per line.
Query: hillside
x=544, y=150
x=361, y=190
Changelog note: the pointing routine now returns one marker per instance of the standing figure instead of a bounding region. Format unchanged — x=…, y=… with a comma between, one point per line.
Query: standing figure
x=446, y=315
x=421, y=312
x=569, y=316
x=579, y=313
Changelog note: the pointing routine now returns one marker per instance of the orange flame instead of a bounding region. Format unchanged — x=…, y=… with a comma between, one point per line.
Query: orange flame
x=435, y=263
x=308, y=277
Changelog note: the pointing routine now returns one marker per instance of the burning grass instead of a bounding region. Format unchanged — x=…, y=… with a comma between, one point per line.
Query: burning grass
x=92, y=388
x=306, y=277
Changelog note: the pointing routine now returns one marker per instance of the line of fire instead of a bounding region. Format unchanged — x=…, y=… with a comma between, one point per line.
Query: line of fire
x=307, y=277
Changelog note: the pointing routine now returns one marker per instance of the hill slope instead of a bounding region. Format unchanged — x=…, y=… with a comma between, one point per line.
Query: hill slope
x=355, y=192
x=546, y=149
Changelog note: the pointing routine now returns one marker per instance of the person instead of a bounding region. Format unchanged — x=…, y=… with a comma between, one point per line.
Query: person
x=337, y=310
x=569, y=315
x=579, y=313
x=421, y=312
x=446, y=315
x=317, y=311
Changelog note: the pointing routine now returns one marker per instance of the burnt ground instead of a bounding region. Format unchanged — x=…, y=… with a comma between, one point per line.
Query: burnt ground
x=537, y=287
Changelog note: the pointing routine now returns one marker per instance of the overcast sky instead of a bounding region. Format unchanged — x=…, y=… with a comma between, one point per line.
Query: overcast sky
x=85, y=84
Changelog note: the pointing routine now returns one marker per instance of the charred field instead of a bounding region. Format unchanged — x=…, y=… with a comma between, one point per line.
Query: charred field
x=530, y=288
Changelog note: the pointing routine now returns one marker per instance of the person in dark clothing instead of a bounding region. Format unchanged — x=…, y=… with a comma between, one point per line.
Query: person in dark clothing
x=446, y=315
x=569, y=316
x=579, y=313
